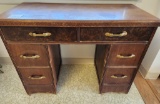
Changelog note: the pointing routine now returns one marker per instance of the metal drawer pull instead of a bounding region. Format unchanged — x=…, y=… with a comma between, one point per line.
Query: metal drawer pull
x=30, y=57
x=118, y=76
x=124, y=33
x=36, y=77
x=40, y=35
x=130, y=56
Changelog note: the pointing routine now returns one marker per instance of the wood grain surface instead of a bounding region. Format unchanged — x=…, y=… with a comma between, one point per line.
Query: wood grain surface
x=77, y=24
x=145, y=90
x=75, y=15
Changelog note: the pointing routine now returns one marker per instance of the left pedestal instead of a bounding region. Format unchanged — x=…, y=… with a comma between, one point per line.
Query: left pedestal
x=37, y=65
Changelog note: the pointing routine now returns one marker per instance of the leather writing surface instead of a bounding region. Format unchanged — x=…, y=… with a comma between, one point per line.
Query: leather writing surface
x=49, y=14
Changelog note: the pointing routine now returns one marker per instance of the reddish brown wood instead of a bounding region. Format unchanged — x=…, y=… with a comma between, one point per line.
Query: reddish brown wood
x=55, y=61
x=28, y=75
x=120, y=73
x=16, y=50
x=40, y=89
x=37, y=67
x=77, y=15
x=114, y=88
x=77, y=24
x=117, y=67
x=125, y=50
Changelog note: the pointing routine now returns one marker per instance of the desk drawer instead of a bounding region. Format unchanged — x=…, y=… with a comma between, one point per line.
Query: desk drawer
x=125, y=54
x=40, y=34
x=114, y=88
x=118, y=75
x=116, y=34
x=37, y=76
x=28, y=55
x=40, y=89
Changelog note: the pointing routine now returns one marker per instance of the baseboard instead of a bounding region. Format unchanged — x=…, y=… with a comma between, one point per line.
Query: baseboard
x=77, y=61
x=146, y=74
x=5, y=60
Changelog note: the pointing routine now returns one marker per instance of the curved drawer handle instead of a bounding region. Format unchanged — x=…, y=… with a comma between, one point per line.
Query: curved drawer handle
x=124, y=33
x=30, y=57
x=119, y=76
x=130, y=56
x=40, y=35
x=36, y=77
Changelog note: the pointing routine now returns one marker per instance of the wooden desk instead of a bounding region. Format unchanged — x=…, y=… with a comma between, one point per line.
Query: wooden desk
x=33, y=32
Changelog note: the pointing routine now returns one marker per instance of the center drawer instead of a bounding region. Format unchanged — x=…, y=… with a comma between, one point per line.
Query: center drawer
x=116, y=33
x=40, y=34
x=36, y=76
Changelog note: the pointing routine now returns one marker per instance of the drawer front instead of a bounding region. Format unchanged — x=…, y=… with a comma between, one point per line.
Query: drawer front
x=40, y=34
x=91, y=34
x=115, y=88
x=116, y=34
x=28, y=55
x=118, y=75
x=40, y=89
x=125, y=54
x=37, y=76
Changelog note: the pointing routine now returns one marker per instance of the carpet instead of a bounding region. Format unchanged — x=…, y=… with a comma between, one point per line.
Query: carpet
x=78, y=84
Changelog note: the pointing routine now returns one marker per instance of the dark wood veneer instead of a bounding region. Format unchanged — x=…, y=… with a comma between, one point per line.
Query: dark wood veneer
x=101, y=56
x=133, y=33
x=22, y=34
x=77, y=24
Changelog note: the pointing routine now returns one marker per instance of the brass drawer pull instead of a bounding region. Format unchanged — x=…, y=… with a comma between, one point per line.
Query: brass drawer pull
x=40, y=35
x=36, y=77
x=30, y=57
x=104, y=63
x=130, y=56
x=118, y=76
x=124, y=33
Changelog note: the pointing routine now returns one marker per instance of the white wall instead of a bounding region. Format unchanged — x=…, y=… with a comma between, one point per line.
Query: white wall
x=3, y=52
x=155, y=66
x=87, y=51
x=152, y=57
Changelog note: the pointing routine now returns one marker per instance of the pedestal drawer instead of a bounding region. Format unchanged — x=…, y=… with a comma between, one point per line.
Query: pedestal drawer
x=40, y=34
x=36, y=76
x=125, y=54
x=118, y=75
x=114, y=88
x=29, y=55
x=40, y=89
x=116, y=33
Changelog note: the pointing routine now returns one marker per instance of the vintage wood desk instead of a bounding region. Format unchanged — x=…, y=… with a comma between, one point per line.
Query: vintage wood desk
x=33, y=33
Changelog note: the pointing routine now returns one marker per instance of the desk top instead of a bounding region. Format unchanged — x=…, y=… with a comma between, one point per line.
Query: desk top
x=75, y=15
